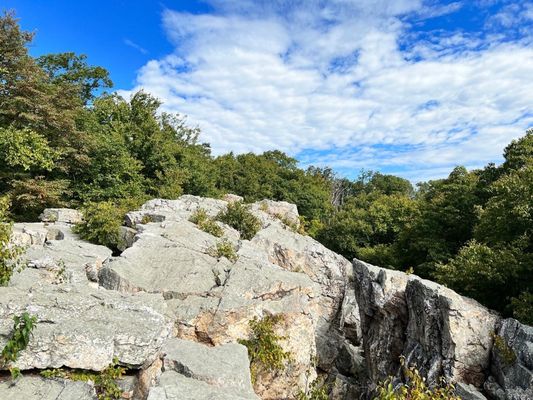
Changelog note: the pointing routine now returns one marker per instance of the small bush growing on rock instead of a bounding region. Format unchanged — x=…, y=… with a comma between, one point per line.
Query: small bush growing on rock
x=8, y=252
x=224, y=248
x=263, y=346
x=415, y=388
x=104, y=381
x=318, y=390
x=22, y=327
x=206, y=223
x=238, y=216
x=103, y=220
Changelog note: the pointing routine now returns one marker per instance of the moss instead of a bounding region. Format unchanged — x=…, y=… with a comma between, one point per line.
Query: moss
x=505, y=352
x=264, y=349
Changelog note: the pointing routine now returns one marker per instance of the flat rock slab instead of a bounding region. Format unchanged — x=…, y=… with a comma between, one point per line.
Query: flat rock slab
x=58, y=261
x=80, y=327
x=197, y=372
x=174, y=386
x=171, y=260
x=225, y=366
x=37, y=388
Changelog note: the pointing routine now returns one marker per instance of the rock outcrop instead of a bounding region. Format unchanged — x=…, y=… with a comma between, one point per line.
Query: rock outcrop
x=172, y=309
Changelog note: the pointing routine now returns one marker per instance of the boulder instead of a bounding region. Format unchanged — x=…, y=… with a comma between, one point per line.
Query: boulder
x=285, y=212
x=331, y=272
x=65, y=215
x=58, y=261
x=225, y=366
x=232, y=198
x=384, y=316
x=447, y=334
x=512, y=362
x=195, y=371
x=80, y=327
x=441, y=332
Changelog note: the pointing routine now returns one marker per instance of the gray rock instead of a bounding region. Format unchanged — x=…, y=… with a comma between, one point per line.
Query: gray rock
x=383, y=310
x=281, y=210
x=298, y=253
x=225, y=366
x=37, y=388
x=174, y=386
x=79, y=327
x=512, y=362
x=58, y=261
x=195, y=371
x=26, y=234
x=232, y=198
x=66, y=215
x=447, y=334
x=172, y=260
x=441, y=332
x=126, y=237
x=468, y=392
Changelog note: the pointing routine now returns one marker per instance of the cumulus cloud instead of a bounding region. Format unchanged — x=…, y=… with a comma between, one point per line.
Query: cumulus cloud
x=346, y=83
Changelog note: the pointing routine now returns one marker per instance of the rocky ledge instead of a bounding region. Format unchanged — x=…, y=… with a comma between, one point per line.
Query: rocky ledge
x=171, y=313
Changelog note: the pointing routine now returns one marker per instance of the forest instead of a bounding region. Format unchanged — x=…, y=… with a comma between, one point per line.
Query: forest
x=67, y=141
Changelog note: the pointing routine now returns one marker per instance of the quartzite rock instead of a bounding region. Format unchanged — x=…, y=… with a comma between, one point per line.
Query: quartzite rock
x=80, y=327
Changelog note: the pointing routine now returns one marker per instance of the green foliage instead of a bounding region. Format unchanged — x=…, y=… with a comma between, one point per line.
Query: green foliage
x=104, y=381
x=8, y=252
x=318, y=390
x=505, y=352
x=367, y=226
x=238, y=216
x=264, y=351
x=20, y=337
x=103, y=220
x=224, y=248
x=72, y=69
x=206, y=223
x=415, y=388
x=25, y=149
x=523, y=307
x=445, y=220
x=484, y=273
x=30, y=196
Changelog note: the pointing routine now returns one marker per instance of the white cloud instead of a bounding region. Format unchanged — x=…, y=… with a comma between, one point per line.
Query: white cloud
x=134, y=45
x=328, y=83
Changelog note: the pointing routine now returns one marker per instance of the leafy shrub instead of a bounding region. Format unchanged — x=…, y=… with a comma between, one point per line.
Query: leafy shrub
x=264, y=350
x=22, y=327
x=8, y=252
x=238, y=216
x=415, y=388
x=206, y=223
x=104, y=381
x=224, y=248
x=102, y=221
x=523, y=307
x=318, y=390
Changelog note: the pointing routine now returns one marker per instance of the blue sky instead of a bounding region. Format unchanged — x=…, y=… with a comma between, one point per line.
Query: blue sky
x=410, y=87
